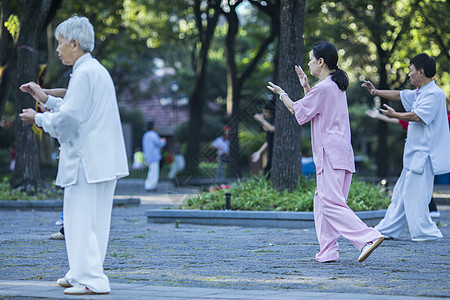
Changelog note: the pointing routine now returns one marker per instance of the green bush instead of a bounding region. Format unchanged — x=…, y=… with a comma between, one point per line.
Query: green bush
x=258, y=194
x=6, y=193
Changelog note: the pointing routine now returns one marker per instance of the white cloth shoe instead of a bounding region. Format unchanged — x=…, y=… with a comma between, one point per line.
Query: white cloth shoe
x=81, y=290
x=368, y=249
x=63, y=282
x=57, y=236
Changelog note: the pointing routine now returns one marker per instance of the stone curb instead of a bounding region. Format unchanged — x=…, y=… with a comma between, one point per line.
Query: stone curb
x=27, y=289
x=248, y=218
x=49, y=205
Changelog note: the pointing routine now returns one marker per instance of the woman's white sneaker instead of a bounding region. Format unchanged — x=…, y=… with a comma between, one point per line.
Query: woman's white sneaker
x=368, y=249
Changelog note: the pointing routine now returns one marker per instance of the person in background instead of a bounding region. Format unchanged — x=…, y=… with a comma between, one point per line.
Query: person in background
x=178, y=161
x=138, y=159
x=325, y=106
x=267, y=120
x=12, y=157
x=425, y=154
x=92, y=154
x=222, y=145
x=152, y=144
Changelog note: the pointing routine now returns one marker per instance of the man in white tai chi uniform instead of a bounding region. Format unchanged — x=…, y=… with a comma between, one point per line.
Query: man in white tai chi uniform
x=425, y=154
x=87, y=124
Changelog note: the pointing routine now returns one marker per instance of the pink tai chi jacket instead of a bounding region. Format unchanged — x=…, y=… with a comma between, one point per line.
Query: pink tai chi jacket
x=326, y=107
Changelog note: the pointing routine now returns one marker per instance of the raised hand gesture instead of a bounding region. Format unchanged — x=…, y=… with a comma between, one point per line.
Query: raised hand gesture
x=302, y=77
x=369, y=86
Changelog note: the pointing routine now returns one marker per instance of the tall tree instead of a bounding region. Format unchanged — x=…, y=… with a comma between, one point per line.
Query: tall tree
x=26, y=173
x=7, y=53
x=236, y=78
x=286, y=165
x=206, y=21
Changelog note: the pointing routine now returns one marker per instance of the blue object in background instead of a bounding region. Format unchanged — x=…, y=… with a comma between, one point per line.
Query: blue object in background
x=308, y=166
x=442, y=179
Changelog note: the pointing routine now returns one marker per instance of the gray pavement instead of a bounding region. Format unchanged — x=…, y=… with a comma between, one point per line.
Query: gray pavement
x=182, y=261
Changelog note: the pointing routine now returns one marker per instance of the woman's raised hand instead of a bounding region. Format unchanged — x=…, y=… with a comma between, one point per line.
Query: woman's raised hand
x=302, y=76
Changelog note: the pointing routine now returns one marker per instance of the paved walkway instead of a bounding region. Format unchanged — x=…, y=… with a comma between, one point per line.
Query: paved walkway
x=181, y=261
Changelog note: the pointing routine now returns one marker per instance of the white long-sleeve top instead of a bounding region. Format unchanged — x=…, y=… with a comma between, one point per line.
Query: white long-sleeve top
x=87, y=125
x=430, y=137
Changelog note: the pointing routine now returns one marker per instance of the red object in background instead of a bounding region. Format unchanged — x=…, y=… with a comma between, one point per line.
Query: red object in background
x=220, y=187
x=170, y=158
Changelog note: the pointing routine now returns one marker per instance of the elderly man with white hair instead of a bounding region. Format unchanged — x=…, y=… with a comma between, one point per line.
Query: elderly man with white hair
x=87, y=124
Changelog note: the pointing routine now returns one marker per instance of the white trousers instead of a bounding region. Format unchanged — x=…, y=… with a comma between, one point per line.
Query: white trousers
x=409, y=206
x=87, y=218
x=177, y=165
x=151, y=182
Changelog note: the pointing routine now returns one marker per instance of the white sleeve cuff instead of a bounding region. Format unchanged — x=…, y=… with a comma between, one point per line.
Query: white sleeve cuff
x=38, y=119
x=53, y=103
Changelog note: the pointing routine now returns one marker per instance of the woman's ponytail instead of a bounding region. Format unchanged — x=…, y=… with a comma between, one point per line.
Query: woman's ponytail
x=340, y=78
x=328, y=52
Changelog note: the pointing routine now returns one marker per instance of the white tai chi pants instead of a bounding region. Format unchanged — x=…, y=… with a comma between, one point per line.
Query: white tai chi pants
x=177, y=165
x=333, y=217
x=151, y=182
x=87, y=218
x=409, y=206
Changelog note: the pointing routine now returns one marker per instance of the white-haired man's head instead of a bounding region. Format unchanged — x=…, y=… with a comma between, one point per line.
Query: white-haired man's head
x=77, y=28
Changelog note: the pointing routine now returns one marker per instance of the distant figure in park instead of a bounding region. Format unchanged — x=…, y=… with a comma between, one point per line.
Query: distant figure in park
x=178, y=163
x=267, y=120
x=12, y=157
x=222, y=145
x=138, y=159
x=152, y=144
x=92, y=154
x=425, y=154
x=325, y=105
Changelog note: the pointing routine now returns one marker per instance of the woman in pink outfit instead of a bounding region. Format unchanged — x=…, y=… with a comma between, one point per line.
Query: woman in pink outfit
x=325, y=105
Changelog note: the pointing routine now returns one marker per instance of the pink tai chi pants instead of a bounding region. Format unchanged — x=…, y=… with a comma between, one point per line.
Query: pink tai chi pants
x=333, y=217
x=87, y=218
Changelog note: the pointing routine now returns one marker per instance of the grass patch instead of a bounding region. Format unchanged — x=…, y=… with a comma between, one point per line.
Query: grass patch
x=258, y=194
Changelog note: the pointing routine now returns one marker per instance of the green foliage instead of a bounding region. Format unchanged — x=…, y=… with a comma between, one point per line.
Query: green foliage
x=258, y=194
x=6, y=193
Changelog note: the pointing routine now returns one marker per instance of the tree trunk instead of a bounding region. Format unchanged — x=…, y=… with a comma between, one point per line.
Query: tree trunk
x=26, y=175
x=286, y=164
x=196, y=98
x=236, y=80
x=233, y=90
x=5, y=53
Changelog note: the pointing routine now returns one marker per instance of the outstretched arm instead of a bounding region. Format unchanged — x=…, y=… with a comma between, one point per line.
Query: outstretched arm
x=60, y=93
x=266, y=125
x=375, y=114
x=35, y=91
x=257, y=155
x=387, y=94
x=284, y=97
x=406, y=116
